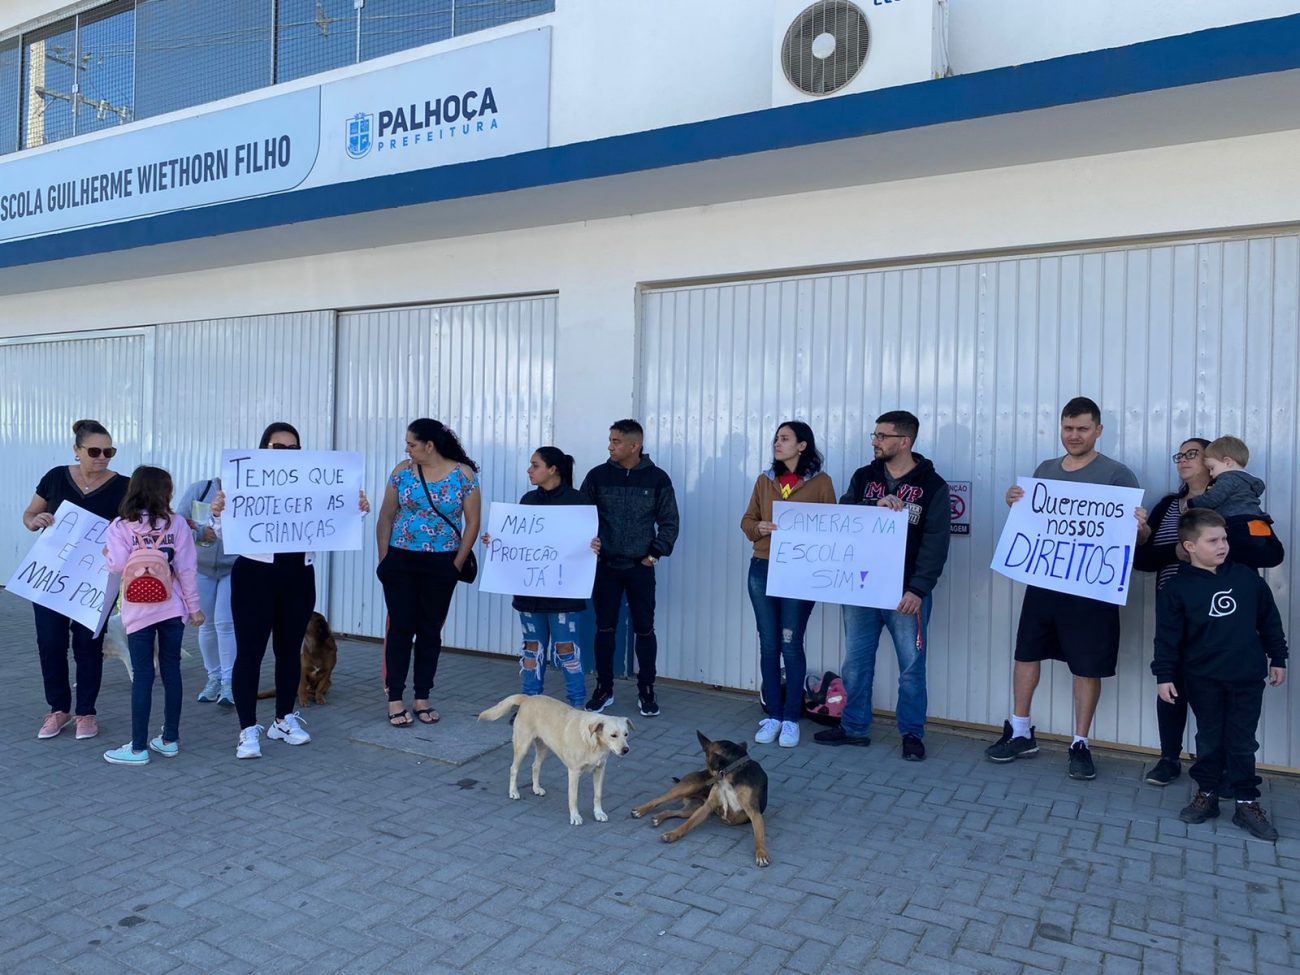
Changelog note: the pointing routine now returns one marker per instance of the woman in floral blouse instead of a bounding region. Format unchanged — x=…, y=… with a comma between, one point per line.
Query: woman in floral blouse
x=427, y=526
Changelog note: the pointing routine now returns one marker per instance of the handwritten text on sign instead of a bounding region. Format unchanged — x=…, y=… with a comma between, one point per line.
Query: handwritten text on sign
x=540, y=551
x=65, y=569
x=1071, y=537
x=849, y=554
x=291, y=501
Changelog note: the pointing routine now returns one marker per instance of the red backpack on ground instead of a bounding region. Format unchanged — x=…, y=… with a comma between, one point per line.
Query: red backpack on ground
x=147, y=575
x=824, y=699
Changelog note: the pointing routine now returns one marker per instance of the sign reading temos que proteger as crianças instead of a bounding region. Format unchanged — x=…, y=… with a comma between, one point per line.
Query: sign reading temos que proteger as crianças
x=291, y=501
x=1071, y=537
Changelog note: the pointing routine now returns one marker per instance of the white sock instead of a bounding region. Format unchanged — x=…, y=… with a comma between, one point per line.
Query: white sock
x=1019, y=726
x=1078, y=739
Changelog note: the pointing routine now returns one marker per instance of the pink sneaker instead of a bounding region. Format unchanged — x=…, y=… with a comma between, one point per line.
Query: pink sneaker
x=87, y=726
x=54, y=722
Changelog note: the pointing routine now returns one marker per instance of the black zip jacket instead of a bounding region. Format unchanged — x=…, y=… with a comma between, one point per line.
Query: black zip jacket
x=564, y=494
x=929, y=517
x=637, y=510
x=1219, y=625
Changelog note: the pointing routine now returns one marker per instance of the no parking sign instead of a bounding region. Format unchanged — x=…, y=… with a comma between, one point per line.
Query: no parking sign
x=959, y=499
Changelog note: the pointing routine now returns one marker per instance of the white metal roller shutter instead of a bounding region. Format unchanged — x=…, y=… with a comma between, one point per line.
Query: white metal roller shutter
x=47, y=383
x=1187, y=339
x=484, y=368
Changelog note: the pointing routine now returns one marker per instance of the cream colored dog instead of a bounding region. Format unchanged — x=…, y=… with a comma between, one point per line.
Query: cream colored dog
x=581, y=740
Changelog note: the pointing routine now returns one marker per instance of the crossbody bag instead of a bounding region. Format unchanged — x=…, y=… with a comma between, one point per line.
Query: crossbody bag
x=469, y=570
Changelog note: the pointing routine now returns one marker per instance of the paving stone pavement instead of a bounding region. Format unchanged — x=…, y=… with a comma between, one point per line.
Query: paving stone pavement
x=350, y=856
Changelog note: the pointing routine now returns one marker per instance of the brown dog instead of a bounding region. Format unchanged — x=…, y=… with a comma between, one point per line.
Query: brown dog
x=732, y=785
x=319, y=655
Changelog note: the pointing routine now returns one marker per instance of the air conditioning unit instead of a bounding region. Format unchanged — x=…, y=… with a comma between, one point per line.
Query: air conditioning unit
x=841, y=47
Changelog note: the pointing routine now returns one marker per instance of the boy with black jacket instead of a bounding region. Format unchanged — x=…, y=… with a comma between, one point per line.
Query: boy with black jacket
x=637, y=509
x=1217, y=624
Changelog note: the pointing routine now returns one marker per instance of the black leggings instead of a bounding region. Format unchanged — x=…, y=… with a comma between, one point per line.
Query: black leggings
x=418, y=587
x=269, y=601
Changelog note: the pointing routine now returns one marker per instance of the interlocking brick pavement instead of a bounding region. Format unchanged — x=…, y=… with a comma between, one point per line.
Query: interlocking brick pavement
x=351, y=856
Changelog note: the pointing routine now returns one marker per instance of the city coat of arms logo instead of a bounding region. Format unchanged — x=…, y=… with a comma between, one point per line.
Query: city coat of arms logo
x=359, y=126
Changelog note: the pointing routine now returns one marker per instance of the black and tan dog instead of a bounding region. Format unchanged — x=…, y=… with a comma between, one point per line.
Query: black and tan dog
x=731, y=784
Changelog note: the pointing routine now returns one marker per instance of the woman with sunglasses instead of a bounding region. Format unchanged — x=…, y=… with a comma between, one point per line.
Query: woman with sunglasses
x=271, y=597
x=1158, y=551
x=89, y=484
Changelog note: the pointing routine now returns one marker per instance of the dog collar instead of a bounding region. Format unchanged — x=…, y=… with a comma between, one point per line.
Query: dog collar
x=737, y=764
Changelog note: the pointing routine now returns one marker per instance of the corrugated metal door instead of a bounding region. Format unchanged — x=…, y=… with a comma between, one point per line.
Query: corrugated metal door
x=1192, y=339
x=487, y=370
x=45, y=385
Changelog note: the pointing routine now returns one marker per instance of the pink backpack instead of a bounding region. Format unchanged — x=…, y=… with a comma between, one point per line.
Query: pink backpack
x=824, y=698
x=147, y=575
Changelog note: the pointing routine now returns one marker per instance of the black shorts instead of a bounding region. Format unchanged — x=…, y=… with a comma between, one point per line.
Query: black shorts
x=1082, y=632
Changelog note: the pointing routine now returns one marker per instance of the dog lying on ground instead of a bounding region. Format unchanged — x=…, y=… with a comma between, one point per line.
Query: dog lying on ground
x=731, y=784
x=581, y=740
x=320, y=653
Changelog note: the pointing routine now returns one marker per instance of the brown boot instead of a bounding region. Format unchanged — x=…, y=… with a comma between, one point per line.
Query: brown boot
x=1204, y=805
x=1254, y=821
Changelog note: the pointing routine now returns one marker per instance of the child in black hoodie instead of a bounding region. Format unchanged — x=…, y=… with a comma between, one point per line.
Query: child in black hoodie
x=1217, y=624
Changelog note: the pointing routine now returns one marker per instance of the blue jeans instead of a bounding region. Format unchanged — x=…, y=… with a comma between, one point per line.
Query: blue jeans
x=558, y=633
x=781, y=626
x=862, y=626
x=168, y=634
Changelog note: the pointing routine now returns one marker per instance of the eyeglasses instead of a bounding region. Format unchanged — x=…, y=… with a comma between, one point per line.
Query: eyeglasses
x=96, y=452
x=286, y=446
x=888, y=436
x=1186, y=455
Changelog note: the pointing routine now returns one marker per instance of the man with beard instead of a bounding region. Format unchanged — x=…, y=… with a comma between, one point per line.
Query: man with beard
x=900, y=480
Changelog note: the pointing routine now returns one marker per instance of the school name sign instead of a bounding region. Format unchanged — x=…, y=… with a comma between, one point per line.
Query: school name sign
x=477, y=102
x=1070, y=537
x=849, y=554
x=291, y=501
x=540, y=551
x=66, y=571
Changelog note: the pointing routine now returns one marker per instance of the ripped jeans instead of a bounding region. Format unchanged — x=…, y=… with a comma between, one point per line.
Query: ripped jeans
x=558, y=634
x=781, y=627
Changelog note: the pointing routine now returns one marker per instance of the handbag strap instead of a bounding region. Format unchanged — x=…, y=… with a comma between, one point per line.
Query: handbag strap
x=204, y=493
x=425, y=484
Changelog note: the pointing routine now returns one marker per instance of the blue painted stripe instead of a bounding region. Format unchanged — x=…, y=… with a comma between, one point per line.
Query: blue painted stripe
x=1242, y=50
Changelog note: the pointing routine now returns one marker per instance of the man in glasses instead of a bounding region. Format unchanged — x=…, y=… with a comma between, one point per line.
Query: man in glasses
x=900, y=480
x=1082, y=632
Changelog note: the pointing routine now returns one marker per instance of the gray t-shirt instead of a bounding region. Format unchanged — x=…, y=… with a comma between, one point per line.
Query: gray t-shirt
x=1102, y=470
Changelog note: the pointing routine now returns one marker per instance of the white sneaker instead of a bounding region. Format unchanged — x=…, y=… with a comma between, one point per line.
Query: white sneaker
x=249, y=745
x=789, y=734
x=289, y=729
x=767, y=731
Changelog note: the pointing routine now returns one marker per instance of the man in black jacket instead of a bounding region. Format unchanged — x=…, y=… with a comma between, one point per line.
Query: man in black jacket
x=1217, y=625
x=637, y=509
x=900, y=480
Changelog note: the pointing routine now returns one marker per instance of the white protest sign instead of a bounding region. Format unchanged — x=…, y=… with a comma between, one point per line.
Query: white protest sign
x=291, y=501
x=850, y=554
x=540, y=551
x=1071, y=537
x=65, y=570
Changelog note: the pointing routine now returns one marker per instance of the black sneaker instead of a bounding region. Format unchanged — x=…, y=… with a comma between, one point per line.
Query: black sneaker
x=601, y=698
x=1081, y=766
x=1204, y=805
x=1253, y=820
x=838, y=736
x=1165, y=771
x=646, y=698
x=1008, y=748
x=913, y=749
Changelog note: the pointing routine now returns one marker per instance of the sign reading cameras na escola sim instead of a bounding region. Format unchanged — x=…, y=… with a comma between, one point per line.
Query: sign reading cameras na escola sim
x=477, y=102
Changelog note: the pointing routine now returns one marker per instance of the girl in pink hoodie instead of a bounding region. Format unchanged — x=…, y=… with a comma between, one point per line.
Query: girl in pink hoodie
x=158, y=591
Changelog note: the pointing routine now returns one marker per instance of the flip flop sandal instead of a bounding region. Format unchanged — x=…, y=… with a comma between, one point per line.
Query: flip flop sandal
x=427, y=715
x=400, y=719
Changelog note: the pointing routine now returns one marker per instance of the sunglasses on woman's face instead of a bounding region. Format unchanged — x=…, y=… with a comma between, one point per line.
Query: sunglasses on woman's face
x=285, y=446
x=96, y=452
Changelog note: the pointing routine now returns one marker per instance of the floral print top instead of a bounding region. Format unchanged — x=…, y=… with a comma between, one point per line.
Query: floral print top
x=419, y=529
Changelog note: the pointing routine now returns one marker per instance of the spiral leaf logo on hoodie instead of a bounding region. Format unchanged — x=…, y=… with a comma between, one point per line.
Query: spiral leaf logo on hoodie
x=1222, y=603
